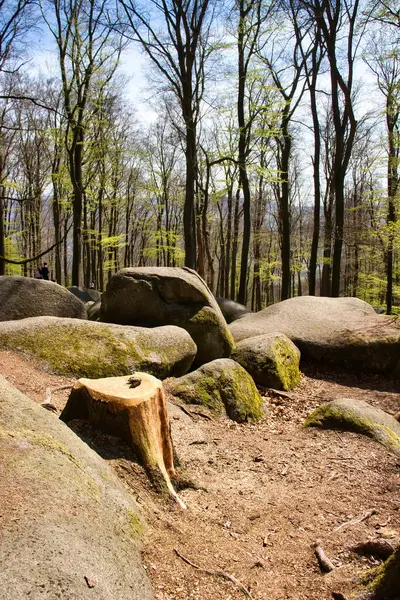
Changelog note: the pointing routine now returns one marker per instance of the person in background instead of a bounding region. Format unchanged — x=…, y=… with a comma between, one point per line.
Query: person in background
x=45, y=271
x=38, y=273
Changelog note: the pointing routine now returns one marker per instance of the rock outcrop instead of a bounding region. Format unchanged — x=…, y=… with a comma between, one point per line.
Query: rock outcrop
x=222, y=386
x=272, y=360
x=92, y=349
x=358, y=416
x=85, y=294
x=93, y=311
x=68, y=527
x=154, y=296
x=232, y=310
x=23, y=297
x=341, y=331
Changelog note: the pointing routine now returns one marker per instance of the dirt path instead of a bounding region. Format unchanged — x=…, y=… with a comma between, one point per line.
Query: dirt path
x=266, y=493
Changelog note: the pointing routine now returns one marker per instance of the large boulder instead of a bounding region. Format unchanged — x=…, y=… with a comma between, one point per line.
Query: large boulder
x=271, y=359
x=342, y=331
x=22, y=297
x=92, y=349
x=153, y=296
x=222, y=386
x=85, y=294
x=93, y=311
x=358, y=416
x=68, y=527
x=232, y=310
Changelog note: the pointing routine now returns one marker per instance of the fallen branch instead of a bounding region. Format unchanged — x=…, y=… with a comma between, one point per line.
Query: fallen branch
x=217, y=573
x=323, y=561
x=203, y=415
x=185, y=410
x=49, y=392
x=366, y=516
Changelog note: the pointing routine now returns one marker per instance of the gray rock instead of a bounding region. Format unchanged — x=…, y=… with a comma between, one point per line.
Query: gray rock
x=232, y=310
x=342, y=331
x=221, y=386
x=358, y=416
x=152, y=296
x=91, y=349
x=93, y=312
x=85, y=294
x=65, y=516
x=271, y=359
x=22, y=297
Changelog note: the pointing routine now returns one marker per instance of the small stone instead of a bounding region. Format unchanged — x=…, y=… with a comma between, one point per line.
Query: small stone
x=90, y=582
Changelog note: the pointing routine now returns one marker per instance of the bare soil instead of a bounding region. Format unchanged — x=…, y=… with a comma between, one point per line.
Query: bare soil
x=264, y=493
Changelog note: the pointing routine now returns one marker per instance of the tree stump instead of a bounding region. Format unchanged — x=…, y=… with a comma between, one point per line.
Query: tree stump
x=132, y=408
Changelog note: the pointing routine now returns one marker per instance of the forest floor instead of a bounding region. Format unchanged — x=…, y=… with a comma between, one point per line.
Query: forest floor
x=265, y=492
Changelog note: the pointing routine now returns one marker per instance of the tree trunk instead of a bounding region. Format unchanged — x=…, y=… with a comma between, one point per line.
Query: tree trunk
x=235, y=244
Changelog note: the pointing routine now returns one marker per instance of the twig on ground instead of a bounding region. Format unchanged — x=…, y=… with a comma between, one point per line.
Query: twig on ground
x=202, y=414
x=365, y=516
x=323, y=561
x=50, y=391
x=185, y=410
x=217, y=573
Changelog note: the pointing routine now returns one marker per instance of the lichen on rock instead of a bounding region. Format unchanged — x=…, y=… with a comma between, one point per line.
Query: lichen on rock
x=222, y=386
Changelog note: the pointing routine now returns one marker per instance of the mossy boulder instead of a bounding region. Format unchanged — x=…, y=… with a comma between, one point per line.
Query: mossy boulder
x=358, y=416
x=66, y=519
x=93, y=350
x=340, y=331
x=222, y=386
x=232, y=310
x=154, y=296
x=272, y=360
x=385, y=584
x=23, y=297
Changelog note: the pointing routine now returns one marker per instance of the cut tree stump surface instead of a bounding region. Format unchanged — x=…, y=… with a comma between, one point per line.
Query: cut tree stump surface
x=133, y=408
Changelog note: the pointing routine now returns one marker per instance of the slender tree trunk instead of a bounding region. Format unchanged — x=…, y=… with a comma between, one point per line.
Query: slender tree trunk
x=242, y=147
x=235, y=243
x=225, y=292
x=189, y=220
x=284, y=213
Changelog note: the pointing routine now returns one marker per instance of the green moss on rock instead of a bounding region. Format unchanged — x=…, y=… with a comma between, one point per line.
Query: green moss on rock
x=135, y=523
x=70, y=350
x=222, y=386
x=272, y=360
x=360, y=417
x=383, y=582
x=95, y=350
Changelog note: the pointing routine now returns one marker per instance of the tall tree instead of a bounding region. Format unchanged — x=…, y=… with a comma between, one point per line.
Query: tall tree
x=332, y=16
x=384, y=61
x=14, y=24
x=179, y=54
x=87, y=48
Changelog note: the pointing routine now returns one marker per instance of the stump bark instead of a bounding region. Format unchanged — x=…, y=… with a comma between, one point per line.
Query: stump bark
x=132, y=408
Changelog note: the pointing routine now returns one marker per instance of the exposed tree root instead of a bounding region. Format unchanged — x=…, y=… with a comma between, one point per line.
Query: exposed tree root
x=217, y=573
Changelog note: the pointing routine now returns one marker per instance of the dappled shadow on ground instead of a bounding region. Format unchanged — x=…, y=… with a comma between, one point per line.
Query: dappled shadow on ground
x=266, y=492
x=345, y=377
